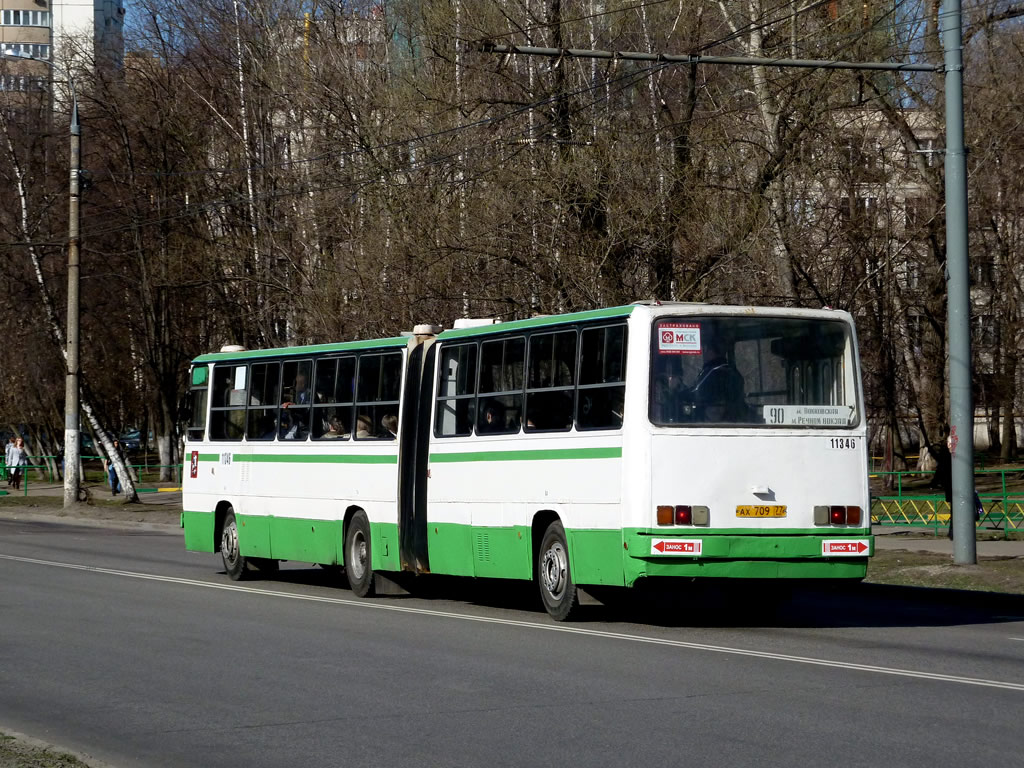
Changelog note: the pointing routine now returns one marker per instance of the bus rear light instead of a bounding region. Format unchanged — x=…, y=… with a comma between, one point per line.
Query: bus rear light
x=837, y=515
x=683, y=514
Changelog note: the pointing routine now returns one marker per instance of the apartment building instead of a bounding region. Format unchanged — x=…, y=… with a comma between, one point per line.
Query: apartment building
x=96, y=26
x=25, y=29
x=52, y=29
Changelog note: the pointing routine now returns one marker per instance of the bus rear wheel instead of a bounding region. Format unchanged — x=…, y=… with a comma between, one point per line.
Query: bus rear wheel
x=235, y=564
x=557, y=590
x=358, y=568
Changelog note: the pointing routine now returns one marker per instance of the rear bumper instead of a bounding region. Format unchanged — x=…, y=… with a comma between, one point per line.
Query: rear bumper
x=748, y=556
x=753, y=546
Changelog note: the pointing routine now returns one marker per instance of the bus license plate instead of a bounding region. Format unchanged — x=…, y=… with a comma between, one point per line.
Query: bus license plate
x=761, y=510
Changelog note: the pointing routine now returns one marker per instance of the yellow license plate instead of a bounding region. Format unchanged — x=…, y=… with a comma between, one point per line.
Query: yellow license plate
x=761, y=510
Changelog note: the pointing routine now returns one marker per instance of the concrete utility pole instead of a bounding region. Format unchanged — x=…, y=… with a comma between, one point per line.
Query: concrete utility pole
x=958, y=286
x=958, y=302
x=72, y=423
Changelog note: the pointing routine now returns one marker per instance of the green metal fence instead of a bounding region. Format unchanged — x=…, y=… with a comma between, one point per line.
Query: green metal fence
x=1003, y=507
x=145, y=473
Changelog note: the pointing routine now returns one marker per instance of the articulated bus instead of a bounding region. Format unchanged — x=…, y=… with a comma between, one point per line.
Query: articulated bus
x=583, y=451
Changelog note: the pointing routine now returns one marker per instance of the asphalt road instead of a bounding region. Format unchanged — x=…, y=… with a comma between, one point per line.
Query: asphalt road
x=121, y=645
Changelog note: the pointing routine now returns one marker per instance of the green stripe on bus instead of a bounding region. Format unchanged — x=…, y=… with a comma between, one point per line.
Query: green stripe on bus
x=313, y=349
x=322, y=458
x=209, y=457
x=401, y=341
x=536, y=455
x=539, y=322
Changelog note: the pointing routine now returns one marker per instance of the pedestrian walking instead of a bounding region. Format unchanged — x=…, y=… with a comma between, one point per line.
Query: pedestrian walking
x=113, y=479
x=19, y=459
x=8, y=467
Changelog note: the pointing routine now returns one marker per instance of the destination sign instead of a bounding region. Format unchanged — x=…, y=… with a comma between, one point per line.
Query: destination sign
x=809, y=415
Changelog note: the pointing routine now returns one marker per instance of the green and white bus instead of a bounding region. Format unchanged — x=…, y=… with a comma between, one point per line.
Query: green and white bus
x=582, y=450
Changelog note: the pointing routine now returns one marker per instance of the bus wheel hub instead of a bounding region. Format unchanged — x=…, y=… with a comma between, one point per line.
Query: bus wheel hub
x=553, y=570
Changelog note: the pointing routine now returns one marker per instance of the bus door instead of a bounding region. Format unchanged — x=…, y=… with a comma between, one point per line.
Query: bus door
x=413, y=453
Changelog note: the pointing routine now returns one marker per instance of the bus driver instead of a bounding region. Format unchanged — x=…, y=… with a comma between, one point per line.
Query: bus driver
x=718, y=392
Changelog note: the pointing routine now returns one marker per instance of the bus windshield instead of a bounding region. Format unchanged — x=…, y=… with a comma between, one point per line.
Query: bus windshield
x=752, y=371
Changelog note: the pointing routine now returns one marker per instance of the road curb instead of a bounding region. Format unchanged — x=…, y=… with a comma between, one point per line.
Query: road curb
x=89, y=522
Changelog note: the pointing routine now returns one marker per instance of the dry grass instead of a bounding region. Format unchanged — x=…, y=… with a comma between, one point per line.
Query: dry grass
x=24, y=753
x=926, y=569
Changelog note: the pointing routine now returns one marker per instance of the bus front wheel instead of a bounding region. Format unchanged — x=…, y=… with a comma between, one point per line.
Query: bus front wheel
x=235, y=563
x=557, y=590
x=358, y=568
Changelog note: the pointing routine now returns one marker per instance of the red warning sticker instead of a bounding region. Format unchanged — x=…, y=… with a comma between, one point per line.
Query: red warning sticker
x=677, y=546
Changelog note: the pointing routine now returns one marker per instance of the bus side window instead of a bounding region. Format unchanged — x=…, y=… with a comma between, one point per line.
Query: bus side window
x=456, y=391
x=296, y=398
x=602, y=390
x=261, y=416
x=197, y=402
x=197, y=417
x=378, y=384
x=500, y=399
x=549, y=389
x=332, y=398
x=230, y=390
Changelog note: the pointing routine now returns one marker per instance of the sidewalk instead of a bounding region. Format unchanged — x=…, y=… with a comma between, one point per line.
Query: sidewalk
x=149, y=494
x=155, y=511
x=913, y=540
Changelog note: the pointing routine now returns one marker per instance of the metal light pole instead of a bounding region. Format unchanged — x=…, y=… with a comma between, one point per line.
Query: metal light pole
x=72, y=432
x=961, y=408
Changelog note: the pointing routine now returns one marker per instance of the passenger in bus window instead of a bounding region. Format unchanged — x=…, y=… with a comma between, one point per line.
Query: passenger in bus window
x=390, y=423
x=492, y=420
x=334, y=429
x=301, y=394
x=718, y=393
x=364, y=427
x=289, y=426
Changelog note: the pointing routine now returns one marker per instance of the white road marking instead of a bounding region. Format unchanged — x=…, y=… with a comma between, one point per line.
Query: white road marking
x=1018, y=638
x=536, y=625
